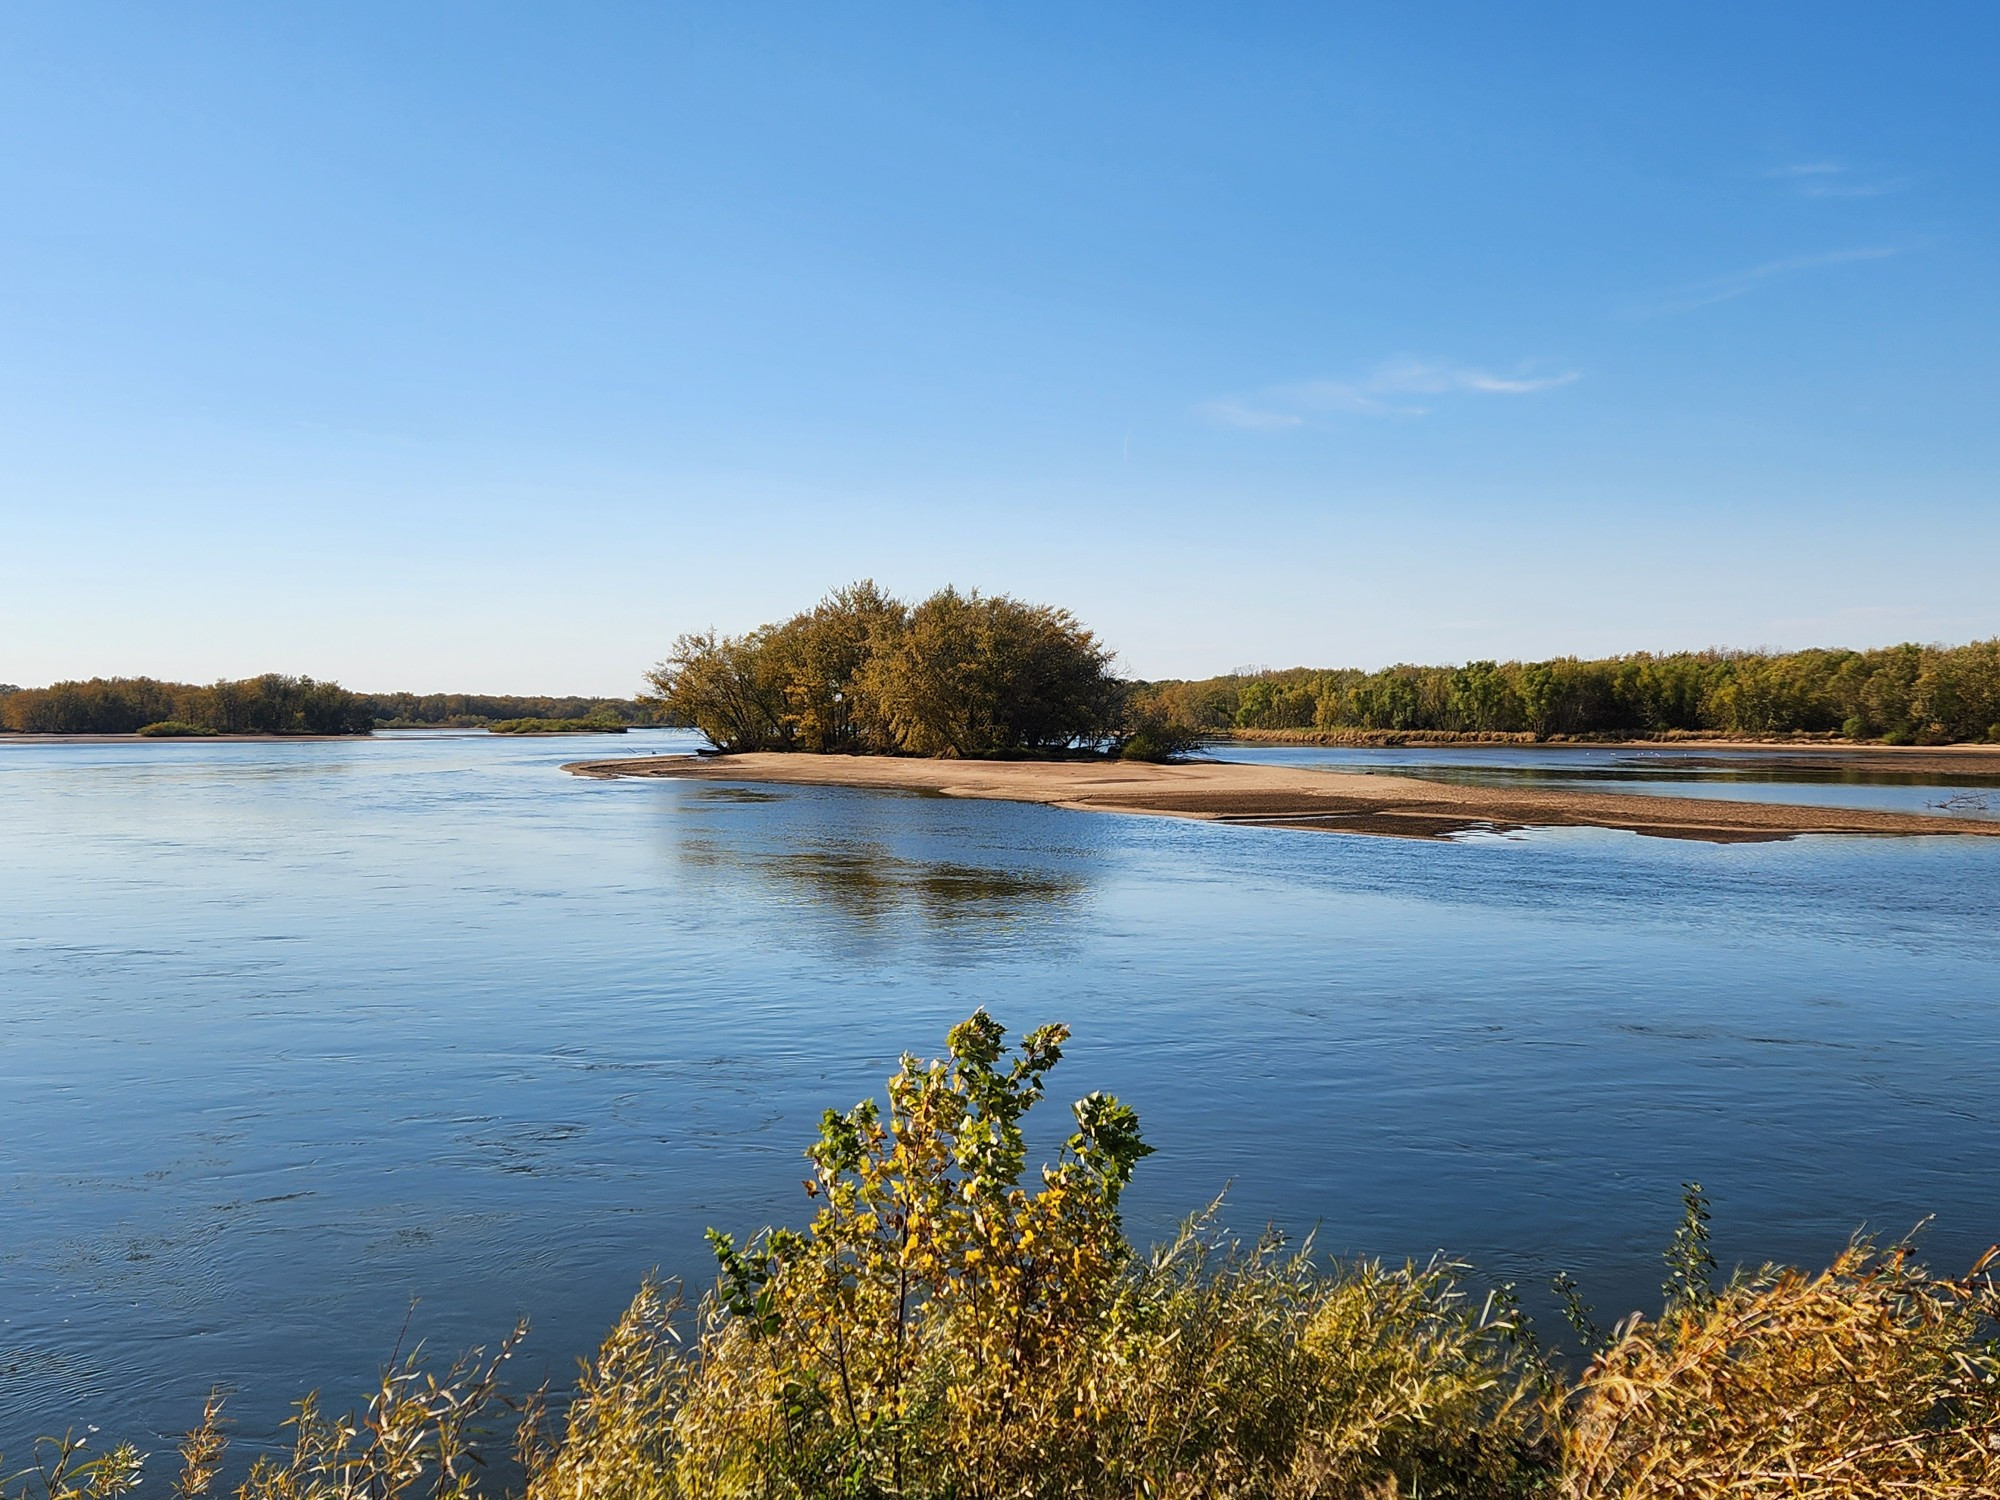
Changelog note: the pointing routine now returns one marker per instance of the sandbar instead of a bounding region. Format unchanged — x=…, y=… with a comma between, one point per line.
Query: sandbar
x=1289, y=797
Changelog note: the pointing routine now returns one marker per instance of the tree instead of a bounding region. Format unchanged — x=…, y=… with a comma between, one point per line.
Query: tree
x=820, y=658
x=974, y=674
x=725, y=687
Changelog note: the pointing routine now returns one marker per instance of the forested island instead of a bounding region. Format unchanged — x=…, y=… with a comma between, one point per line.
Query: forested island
x=957, y=675
x=275, y=703
x=982, y=675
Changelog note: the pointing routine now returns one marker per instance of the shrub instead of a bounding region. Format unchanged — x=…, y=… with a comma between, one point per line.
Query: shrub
x=1154, y=729
x=173, y=729
x=943, y=1329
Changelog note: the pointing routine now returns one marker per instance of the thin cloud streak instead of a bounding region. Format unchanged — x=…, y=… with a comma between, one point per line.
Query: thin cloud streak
x=1742, y=283
x=1829, y=179
x=1383, y=392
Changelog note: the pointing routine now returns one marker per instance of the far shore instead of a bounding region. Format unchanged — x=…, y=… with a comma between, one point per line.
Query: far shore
x=1969, y=759
x=1291, y=797
x=10, y=737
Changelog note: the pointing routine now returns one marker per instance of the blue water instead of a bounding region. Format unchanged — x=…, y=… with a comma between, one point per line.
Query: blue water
x=1737, y=775
x=292, y=1034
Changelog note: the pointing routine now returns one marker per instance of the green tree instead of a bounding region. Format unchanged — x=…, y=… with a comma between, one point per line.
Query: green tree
x=725, y=686
x=975, y=674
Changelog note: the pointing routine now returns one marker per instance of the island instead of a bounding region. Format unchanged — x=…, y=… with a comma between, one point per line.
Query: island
x=1290, y=797
x=983, y=695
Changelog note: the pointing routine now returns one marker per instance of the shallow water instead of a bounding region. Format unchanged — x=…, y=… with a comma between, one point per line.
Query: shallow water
x=1738, y=775
x=295, y=1033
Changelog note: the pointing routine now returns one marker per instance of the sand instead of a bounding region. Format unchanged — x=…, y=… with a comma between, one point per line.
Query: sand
x=1288, y=797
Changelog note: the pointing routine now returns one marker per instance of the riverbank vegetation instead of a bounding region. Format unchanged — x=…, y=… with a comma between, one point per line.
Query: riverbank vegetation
x=270, y=704
x=864, y=674
x=1906, y=694
x=976, y=675
x=486, y=710
x=558, y=726
x=948, y=1324
x=277, y=704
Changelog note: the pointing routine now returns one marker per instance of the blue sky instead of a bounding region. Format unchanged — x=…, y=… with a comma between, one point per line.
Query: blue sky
x=488, y=347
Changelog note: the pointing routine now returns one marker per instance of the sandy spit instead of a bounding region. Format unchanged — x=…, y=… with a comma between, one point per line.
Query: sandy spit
x=1287, y=797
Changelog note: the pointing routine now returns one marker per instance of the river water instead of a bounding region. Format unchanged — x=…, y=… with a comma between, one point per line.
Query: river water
x=294, y=1036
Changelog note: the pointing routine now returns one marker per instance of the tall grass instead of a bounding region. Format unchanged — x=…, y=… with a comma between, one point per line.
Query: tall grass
x=949, y=1326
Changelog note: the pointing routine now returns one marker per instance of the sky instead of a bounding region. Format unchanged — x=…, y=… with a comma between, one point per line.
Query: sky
x=488, y=347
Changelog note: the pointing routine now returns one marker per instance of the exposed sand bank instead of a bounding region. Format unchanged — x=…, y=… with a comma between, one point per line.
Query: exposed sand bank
x=1900, y=760
x=1287, y=797
x=1814, y=755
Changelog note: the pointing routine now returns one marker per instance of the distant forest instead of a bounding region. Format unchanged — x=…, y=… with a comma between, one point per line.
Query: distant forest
x=477, y=711
x=274, y=704
x=1907, y=694
x=975, y=674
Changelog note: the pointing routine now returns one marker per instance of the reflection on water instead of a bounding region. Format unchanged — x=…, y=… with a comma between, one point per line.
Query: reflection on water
x=851, y=855
x=862, y=879
x=293, y=1033
x=869, y=883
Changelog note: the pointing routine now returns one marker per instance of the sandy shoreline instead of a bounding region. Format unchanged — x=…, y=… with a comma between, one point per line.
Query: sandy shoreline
x=1912, y=760
x=1287, y=797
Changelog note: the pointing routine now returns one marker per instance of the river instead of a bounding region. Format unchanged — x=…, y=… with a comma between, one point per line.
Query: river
x=308, y=1048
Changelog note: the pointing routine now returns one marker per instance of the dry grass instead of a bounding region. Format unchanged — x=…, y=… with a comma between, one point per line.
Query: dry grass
x=414, y=1439
x=945, y=1328
x=1869, y=1379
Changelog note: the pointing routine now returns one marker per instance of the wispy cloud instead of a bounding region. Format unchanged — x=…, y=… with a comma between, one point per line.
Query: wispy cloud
x=1736, y=284
x=1390, y=389
x=1832, y=179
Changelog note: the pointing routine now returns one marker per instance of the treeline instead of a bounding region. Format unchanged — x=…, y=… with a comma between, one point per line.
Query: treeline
x=278, y=704
x=270, y=704
x=478, y=710
x=862, y=673
x=1900, y=695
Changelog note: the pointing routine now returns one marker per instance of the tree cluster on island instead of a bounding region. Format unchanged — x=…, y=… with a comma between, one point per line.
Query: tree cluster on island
x=957, y=675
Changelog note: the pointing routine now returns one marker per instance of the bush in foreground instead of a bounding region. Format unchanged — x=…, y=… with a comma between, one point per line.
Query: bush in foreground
x=945, y=1327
